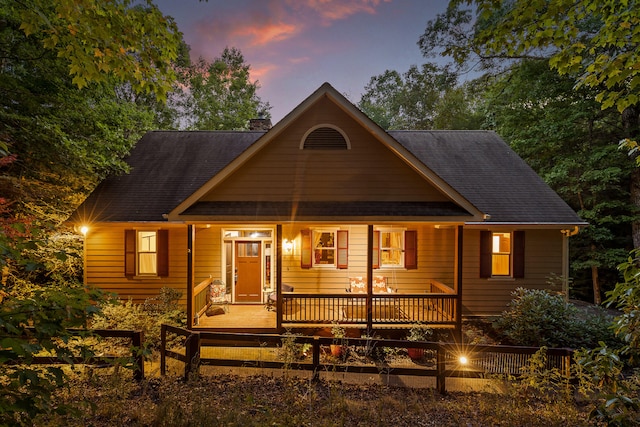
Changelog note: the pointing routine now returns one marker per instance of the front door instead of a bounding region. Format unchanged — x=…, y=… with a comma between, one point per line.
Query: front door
x=248, y=272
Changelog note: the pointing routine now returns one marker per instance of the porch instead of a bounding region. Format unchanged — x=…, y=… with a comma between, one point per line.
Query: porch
x=436, y=308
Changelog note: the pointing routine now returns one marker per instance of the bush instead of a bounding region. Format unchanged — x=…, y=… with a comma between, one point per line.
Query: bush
x=538, y=318
x=147, y=317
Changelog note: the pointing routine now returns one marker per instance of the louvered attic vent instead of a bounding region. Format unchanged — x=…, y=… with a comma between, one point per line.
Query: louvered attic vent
x=325, y=138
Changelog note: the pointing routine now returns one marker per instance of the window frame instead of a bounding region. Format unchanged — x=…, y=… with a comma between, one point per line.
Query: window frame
x=517, y=254
x=401, y=248
x=132, y=253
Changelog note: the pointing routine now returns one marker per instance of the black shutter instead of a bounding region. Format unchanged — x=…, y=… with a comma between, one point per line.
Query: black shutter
x=163, y=253
x=518, y=254
x=485, y=254
x=129, y=253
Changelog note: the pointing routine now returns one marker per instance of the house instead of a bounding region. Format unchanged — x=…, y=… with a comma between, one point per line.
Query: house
x=365, y=227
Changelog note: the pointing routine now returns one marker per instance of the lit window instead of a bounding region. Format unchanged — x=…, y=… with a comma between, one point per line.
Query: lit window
x=147, y=253
x=501, y=254
x=391, y=248
x=324, y=248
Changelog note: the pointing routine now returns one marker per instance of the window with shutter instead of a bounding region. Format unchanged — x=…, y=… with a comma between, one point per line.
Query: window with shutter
x=146, y=253
x=394, y=248
x=324, y=248
x=502, y=254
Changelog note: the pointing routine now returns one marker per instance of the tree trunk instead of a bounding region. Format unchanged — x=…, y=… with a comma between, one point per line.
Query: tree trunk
x=597, y=300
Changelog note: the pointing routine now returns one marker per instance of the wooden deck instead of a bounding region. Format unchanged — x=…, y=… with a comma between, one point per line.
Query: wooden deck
x=244, y=317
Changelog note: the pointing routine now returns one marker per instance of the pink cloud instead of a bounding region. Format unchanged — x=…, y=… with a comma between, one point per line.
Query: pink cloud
x=334, y=10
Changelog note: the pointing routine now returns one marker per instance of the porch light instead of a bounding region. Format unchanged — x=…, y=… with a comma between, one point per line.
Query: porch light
x=287, y=246
x=463, y=360
x=84, y=230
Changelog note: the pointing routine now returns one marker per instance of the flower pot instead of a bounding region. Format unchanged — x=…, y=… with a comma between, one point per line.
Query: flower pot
x=337, y=350
x=415, y=353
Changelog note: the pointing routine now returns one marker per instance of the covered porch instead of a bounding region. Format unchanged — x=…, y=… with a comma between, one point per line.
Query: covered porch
x=428, y=301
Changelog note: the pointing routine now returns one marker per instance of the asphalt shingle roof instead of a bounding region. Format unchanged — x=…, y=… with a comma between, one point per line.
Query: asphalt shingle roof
x=489, y=174
x=168, y=166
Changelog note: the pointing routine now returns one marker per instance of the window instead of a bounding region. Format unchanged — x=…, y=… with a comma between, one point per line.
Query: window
x=324, y=248
x=146, y=253
x=395, y=248
x=502, y=254
x=391, y=248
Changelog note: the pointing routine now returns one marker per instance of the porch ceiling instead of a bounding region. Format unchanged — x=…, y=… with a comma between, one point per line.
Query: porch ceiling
x=300, y=211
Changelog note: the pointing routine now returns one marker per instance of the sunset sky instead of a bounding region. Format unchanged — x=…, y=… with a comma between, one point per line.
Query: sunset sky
x=293, y=46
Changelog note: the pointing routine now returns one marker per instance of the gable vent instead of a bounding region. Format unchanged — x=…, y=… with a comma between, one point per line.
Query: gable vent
x=325, y=138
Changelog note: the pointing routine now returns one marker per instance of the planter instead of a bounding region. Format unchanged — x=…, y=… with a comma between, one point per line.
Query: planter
x=337, y=350
x=415, y=353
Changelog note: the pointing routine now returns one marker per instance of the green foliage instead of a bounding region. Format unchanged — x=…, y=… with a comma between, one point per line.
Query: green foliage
x=626, y=297
x=539, y=381
x=219, y=95
x=538, y=318
x=590, y=39
x=39, y=302
x=601, y=376
x=566, y=138
x=420, y=332
x=100, y=40
x=147, y=317
x=421, y=98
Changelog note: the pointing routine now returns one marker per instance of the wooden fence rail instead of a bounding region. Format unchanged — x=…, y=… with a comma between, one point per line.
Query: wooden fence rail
x=136, y=337
x=483, y=360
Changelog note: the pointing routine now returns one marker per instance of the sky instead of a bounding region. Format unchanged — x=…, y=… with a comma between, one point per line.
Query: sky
x=294, y=46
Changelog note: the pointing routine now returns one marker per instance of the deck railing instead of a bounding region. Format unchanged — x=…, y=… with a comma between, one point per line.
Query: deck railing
x=379, y=309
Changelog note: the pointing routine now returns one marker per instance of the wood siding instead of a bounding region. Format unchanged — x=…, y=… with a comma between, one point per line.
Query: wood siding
x=436, y=255
x=105, y=262
x=282, y=171
x=436, y=261
x=490, y=296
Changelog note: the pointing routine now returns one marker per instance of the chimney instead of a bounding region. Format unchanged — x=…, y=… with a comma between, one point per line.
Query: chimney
x=260, y=123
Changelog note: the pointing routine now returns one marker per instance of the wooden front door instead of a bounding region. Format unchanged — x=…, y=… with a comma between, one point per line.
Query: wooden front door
x=248, y=272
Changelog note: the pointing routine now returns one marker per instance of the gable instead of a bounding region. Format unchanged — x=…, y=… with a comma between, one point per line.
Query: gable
x=285, y=170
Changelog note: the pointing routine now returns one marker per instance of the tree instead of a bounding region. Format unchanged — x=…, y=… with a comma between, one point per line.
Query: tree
x=219, y=95
x=128, y=40
x=565, y=136
x=593, y=42
x=410, y=100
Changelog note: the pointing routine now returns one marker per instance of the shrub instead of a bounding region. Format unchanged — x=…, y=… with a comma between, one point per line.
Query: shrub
x=538, y=318
x=147, y=317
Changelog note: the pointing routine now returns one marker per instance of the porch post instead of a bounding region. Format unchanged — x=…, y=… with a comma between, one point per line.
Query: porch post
x=369, y=278
x=190, y=241
x=458, y=332
x=279, y=276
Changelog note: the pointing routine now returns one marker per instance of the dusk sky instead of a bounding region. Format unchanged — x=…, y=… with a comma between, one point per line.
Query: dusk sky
x=293, y=46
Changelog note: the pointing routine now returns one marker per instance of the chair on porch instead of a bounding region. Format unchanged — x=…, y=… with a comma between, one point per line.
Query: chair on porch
x=218, y=296
x=272, y=297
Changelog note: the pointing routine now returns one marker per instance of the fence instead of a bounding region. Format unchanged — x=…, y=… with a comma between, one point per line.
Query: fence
x=482, y=360
x=137, y=358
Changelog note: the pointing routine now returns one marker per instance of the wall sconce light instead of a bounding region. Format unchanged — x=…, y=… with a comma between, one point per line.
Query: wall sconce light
x=84, y=230
x=287, y=246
